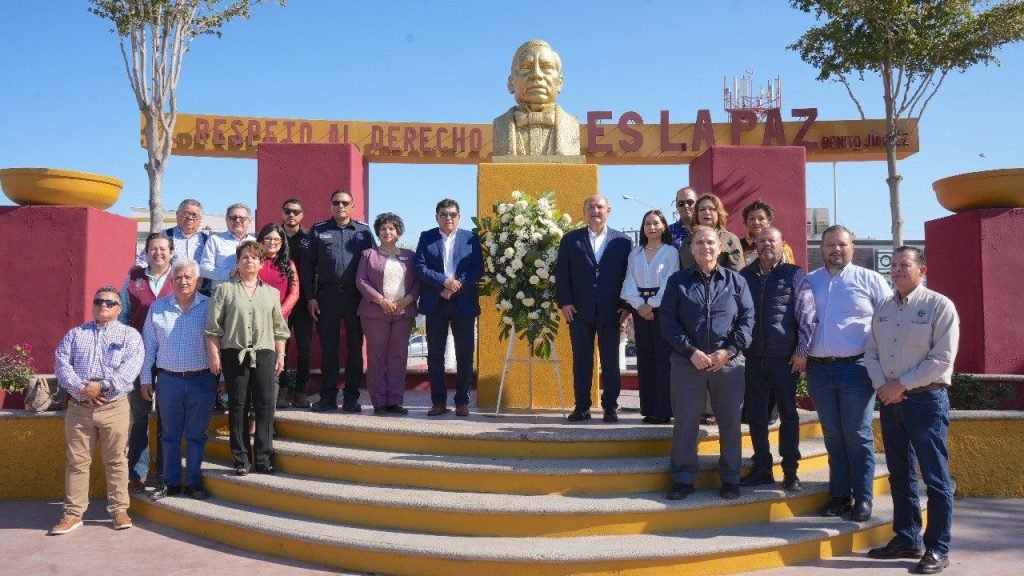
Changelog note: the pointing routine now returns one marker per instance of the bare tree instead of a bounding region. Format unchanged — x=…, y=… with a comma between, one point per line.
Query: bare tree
x=911, y=45
x=154, y=37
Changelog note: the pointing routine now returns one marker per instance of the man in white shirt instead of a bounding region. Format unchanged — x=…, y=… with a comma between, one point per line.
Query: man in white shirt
x=218, y=260
x=845, y=297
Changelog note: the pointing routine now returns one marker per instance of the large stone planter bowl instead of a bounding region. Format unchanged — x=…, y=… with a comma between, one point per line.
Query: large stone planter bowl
x=988, y=189
x=50, y=187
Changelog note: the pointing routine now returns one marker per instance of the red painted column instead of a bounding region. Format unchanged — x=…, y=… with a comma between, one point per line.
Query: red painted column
x=310, y=172
x=775, y=174
x=975, y=258
x=52, y=261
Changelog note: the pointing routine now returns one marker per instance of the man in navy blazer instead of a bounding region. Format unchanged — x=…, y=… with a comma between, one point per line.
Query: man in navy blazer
x=592, y=264
x=449, y=264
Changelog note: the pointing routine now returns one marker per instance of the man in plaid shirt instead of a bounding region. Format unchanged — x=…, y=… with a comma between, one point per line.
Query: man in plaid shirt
x=97, y=364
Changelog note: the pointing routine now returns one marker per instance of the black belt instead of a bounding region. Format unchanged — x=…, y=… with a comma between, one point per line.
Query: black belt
x=833, y=359
x=339, y=287
x=190, y=374
x=647, y=293
x=928, y=388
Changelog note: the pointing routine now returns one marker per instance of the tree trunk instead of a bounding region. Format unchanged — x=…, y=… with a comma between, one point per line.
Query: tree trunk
x=893, y=181
x=155, y=170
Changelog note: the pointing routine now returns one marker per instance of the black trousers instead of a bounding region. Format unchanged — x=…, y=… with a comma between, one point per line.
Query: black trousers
x=652, y=367
x=301, y=324
x=768, y=376
x=581, y=334
x=444, y=316
x=243, y=382
x=138, y=433
x=339, y=308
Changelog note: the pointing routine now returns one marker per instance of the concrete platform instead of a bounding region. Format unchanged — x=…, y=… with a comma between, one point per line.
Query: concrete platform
x=986, y=536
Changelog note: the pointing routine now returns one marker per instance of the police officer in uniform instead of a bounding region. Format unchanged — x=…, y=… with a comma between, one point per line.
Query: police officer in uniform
x=330, y=263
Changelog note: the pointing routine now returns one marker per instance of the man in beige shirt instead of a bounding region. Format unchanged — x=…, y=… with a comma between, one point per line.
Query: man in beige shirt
x=909, y=356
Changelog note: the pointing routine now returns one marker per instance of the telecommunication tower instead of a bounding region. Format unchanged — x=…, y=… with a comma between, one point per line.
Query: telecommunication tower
x=740, y=96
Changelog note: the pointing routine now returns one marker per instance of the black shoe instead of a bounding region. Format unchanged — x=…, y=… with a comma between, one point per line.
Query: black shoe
x=165, y=491
x=351, y=406
x=241, y=470
x=729, y=491
x=196, y=492
x=838, y=506
x=398, y=409
x=679, y=491
x=932, y=563
x=792, y=484
x=895, y=550
x=579, y=416
x=610, y=415
x=758, y=478
x=861, y=511
x=380, y=410
x=318, y=407
x=264, y=469
x=655, y=420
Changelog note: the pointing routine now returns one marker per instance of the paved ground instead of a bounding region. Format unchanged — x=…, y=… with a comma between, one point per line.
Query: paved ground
x=987, y=534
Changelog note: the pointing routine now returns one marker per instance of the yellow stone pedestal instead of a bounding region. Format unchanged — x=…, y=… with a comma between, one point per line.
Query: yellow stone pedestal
x=572, y=184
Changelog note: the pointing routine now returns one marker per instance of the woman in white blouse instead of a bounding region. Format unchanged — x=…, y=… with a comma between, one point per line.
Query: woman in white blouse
x=650, y=265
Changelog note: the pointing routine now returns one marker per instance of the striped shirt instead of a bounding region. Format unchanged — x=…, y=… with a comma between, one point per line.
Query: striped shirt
x=111, y=355
x=174, y=338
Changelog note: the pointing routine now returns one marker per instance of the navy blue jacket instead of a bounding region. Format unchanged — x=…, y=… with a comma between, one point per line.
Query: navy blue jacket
x=333, y=254
x=592, y=287
x=469, y=268
x=784, y=310
x=697, y=315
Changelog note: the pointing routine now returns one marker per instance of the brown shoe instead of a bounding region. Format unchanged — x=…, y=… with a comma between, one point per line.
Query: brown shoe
x=136, y=487
x=122, y=521
x=65, y=525
x=283, y=399
x=299, y=399
x=437, y=410
x=462, y=410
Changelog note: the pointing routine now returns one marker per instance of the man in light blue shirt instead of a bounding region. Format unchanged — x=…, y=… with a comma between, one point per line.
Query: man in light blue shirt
x=218, y=260
x=175, y=345
x=845, y=297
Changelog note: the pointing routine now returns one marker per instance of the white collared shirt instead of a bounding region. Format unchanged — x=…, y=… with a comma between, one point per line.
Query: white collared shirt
x=219, y=257
x=597, y=242
x=653, y=274
x=449, y=252
x=844, y=304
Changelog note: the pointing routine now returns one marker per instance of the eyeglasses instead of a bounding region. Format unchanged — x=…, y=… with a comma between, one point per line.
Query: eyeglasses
x=452, y=215
x=270, y=240
x=345, y=203
x=291, y=212
x=237, y=218
x=682, y=203
x=190, y=215
x=105, y=302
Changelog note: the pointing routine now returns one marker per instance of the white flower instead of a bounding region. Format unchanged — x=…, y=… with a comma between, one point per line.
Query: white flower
x=567, y=218
x=510, y=271
x=521, y=205
x=519, y=220
x=556, y=233
x=500, y=279
x=517, y=264
x=537, y=236
x=520, y=295
x=516, y=195
x=545, y=304
x=543, y=273
x=554, y=315
x=543, y=204
x=502, y=208
x=533, y=315
x=503, y=237
x=509, y=252
x=539, y=263
x=534, y=280
x=507, y=320
x=529, y=301
x=545, y=330
x=505, y=305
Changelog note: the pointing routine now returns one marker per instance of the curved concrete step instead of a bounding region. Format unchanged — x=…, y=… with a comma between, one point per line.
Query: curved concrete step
x=482, y=514
x=495, y=475
x=720, y=551
x=544, y=434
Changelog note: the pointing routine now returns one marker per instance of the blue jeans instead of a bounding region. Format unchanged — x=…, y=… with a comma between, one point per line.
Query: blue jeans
x=184, y=405
x=138, y=437
x=845, y=401
x=766, y=375
x=914, y=432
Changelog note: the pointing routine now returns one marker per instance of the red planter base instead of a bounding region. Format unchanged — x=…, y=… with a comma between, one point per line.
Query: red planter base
x=12, y=400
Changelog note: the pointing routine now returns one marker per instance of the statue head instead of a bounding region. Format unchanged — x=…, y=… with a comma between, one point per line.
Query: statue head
x=536, y=76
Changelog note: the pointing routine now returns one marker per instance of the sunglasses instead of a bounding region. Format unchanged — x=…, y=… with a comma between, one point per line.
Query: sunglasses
x=105, y=302
x=291, y=212
x=345, y=203
x=452, y=215
x=682, y=203
x=237, y=218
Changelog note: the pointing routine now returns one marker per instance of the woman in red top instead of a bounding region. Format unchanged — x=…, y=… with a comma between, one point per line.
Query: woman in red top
x=279, y=271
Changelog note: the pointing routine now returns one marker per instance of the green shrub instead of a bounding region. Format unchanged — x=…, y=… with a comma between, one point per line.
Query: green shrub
x=968, y=393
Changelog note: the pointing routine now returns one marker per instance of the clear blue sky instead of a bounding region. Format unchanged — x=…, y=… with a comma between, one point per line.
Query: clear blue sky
x=65, y=101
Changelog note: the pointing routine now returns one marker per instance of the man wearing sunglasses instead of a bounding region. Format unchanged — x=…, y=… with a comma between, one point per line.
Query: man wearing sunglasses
x=328, y=275
x=97, y=364
x=218, y=261
x=686, y=204
x=449, y=263
x=300, y=322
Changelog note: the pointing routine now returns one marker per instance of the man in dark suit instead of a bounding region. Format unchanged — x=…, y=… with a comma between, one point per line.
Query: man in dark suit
x=449, y=264
x=592, y=264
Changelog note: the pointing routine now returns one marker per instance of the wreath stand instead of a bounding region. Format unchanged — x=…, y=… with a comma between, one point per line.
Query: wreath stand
x=529, y=361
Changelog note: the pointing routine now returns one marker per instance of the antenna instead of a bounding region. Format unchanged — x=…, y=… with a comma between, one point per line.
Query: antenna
x=741, y=95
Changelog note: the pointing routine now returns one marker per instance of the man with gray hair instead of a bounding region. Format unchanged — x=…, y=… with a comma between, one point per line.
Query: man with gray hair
x=97, y=363
x=188, y=239
x=536, y=125
x=218, y=261
x=176, y=352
